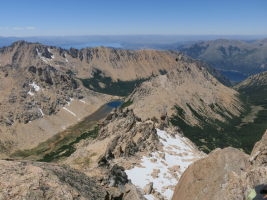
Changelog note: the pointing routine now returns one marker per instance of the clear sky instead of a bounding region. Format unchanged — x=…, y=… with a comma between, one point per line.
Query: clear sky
x=122, y=17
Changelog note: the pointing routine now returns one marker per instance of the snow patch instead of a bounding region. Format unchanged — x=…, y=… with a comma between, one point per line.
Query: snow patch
x=35, y=86
x=164, y=168
x=41, y=112
x=49, y=50
x=30, y=93
x=83, y=101
x=46, y=60
x=149, y=197
x=70, y=111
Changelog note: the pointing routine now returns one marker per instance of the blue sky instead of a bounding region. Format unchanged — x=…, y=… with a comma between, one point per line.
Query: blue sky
x=123, y=17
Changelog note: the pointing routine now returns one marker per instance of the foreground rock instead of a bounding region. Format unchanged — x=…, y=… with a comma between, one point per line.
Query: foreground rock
x=226, y=174
x=29, y=180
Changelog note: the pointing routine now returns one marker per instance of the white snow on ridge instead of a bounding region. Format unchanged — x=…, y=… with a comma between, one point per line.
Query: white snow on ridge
x=164, y=168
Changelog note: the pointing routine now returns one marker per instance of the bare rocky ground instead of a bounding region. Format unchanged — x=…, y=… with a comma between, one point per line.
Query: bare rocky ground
x=226, y=174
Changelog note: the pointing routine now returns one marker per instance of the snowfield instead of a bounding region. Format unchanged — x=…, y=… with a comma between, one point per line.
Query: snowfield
x=164, y=168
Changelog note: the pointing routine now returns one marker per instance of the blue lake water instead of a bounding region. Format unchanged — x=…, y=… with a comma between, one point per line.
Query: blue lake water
x=234, y=76
x=115, y=104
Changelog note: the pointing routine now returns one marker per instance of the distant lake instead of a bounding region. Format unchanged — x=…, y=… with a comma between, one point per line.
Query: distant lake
x=115, y=104
x=234, y=76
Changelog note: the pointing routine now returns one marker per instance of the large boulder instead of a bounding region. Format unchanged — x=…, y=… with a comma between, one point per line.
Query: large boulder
x=226, y=174
x=206, y=178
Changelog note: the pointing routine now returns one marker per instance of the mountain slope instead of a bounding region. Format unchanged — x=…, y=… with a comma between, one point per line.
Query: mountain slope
x=236, y=59
x=190, y=85
x=194, y=101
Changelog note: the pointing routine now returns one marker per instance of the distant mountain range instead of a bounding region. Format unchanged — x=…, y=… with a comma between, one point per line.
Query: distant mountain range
x=234, y=58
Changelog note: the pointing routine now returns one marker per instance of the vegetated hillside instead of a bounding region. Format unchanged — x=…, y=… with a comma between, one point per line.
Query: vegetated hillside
x=194, y=101
x=236, y=59
x=255, y=90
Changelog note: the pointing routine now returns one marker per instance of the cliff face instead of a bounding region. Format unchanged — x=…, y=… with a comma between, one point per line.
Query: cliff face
x=226, y=174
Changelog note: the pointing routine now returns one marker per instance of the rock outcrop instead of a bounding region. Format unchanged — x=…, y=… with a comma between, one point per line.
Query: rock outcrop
x=121, y=136
x=32, y=180
x=226, y=174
